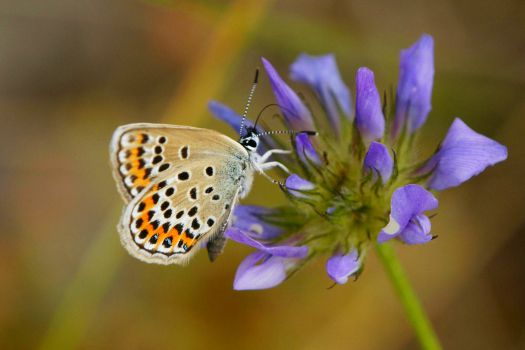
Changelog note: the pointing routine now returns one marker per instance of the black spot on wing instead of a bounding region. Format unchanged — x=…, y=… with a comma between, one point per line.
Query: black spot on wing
x=183, y=176
x=184, y=152
x=193, y=211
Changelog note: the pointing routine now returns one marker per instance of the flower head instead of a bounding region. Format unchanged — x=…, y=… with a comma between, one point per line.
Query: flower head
x=351, y=189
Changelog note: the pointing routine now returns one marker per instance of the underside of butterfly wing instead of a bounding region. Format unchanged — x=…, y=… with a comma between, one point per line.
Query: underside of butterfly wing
x=181, y=184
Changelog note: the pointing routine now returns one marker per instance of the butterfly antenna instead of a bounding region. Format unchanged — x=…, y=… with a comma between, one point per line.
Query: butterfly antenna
x=250, y=96
x=271, y=105
x=292, y=132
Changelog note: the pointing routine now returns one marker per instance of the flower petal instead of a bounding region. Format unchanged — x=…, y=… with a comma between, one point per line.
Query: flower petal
x=407, y=203
x=322, y=74
x=414, y=89
x=417, y=231
x=369, y=117
x=296, y=185
x=251, y=276
x=229, y=116
x=284, y=251
x=305, y=150
x=378, y=161
x=295, y=112
x=250, y=219
x=339, y=267
x=462, y=154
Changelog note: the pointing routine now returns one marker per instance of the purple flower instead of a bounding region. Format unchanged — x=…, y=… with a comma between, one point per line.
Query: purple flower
x=322, y=74
x=337, y=196
x=379, y=162
x=339, y=267
x=282, y=251
x=417, y=231
x=251, y=219
x=296, y=185
x=305, y=150
x=462, y=154
x=268, y=266
x=407, y=220
x=414, y=90
x=295, y=112
x=261, y=271
x=369, y=117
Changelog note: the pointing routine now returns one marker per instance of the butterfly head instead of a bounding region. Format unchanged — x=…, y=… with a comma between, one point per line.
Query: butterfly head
x=250, y=141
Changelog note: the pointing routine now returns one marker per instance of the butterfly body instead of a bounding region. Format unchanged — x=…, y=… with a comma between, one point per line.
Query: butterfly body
x=180, y=185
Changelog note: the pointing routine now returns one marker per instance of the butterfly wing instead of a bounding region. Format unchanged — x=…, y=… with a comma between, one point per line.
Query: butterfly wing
x=180, y=184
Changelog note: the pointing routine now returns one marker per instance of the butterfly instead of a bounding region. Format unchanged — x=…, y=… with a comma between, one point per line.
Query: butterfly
x=180, y=185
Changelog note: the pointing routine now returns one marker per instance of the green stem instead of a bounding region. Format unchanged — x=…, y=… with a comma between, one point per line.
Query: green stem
x=413, y=308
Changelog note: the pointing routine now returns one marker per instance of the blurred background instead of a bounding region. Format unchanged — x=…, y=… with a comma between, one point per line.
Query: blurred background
x=71, y=71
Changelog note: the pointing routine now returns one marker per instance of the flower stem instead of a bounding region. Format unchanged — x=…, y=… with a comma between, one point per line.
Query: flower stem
x=413, y=308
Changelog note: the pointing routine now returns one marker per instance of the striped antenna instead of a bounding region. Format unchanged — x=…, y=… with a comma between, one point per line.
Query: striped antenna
x=293, y=132
x=252, y=91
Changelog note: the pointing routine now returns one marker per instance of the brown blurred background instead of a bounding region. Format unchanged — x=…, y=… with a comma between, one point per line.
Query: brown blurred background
x=71, y=71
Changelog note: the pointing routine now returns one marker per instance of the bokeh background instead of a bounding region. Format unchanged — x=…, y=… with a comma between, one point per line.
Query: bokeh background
x=71, y=71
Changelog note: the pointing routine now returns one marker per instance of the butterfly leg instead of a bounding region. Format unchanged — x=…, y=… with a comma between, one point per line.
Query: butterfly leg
x=269, y=153
x=269, y=165
x=261, y=165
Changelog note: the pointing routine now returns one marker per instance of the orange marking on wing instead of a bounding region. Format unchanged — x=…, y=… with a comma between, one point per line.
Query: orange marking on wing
x=139, y=173
x=133, y=156
x=151, y=233
x=162, y=236
x=148, y=203
x=175, y=236
x=187, y=240
x=144, y=218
